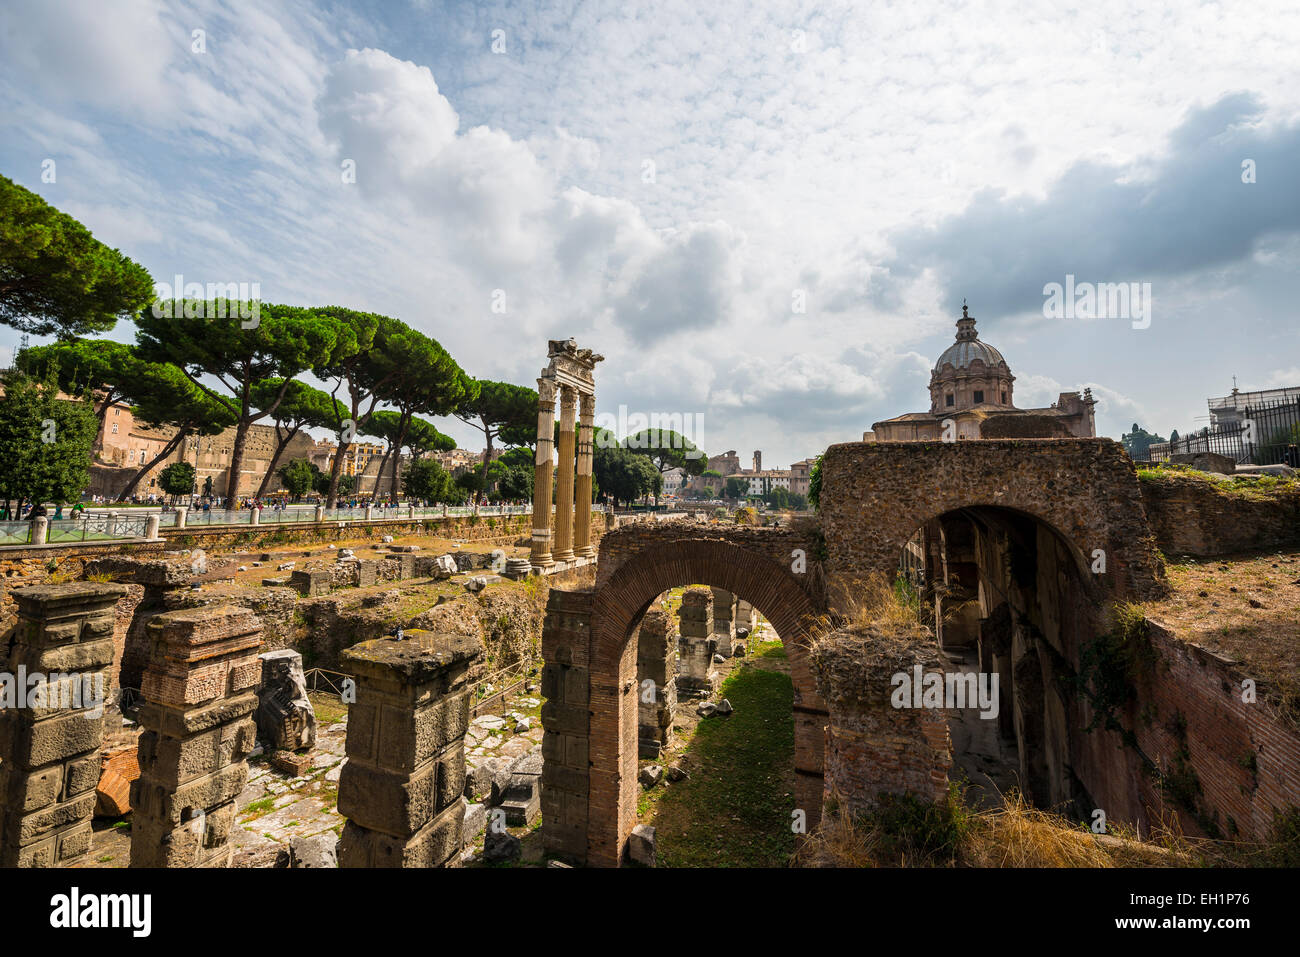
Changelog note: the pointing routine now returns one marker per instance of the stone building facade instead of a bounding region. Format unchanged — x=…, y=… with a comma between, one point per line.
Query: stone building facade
x=127, y=443
x=761, y=480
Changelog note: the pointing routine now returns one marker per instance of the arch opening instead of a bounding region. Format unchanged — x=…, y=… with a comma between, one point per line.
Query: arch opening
x=613, y=610
x=1011, y=601
x=731, y=802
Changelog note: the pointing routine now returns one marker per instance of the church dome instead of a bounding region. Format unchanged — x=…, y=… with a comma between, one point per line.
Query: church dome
x=970, y=374
x=962, y=353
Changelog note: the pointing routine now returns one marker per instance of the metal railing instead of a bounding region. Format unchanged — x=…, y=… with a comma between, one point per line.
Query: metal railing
x=330, y=681
x=93, y=526
x=503, y=682
x=90, y=527
x=1263, y=435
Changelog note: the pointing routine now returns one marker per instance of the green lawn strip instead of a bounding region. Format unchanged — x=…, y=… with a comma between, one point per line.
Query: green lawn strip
x=734, y=809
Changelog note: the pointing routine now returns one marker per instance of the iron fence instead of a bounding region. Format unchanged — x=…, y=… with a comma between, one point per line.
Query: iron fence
x=323, y=678
x=90, y=527
x=503, y=682
x=1265, y=435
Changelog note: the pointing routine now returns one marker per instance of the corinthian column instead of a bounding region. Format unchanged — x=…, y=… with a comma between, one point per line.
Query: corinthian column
x=541, y=555
x=564, y=477
x=582, y=493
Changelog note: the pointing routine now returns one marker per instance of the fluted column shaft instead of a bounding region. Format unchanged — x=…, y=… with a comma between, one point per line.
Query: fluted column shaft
x=582, y=492
x=545, y=462
x=564, y=476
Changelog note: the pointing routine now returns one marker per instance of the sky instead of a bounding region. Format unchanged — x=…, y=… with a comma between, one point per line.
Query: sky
x=765, y=216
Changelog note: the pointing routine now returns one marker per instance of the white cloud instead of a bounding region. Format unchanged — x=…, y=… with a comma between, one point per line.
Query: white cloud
x=776, y=170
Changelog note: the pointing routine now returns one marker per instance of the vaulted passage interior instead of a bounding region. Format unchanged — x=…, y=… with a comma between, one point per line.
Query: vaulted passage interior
x=1011, y=601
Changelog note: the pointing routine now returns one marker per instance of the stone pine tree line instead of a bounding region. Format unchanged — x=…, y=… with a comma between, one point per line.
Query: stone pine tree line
x=201, y=367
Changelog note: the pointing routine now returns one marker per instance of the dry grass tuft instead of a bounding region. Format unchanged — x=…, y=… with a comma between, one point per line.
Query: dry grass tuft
x=1016, y=835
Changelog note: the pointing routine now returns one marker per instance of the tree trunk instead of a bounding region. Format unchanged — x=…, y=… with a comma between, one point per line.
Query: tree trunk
x=331, y=499
x=403, y=426
x=281, y=445
x=236, y=465
x=167, y=450
x=487, y=451
x=379, y=475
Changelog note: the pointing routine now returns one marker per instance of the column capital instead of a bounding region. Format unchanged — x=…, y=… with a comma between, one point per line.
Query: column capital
x=546, y=390
x=587, y=404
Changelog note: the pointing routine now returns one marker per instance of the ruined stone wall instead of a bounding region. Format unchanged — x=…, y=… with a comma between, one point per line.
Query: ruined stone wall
x=1192, y=516
x=55, y=564
x=1222, y=765
x=781, y=545
x=1025, y=426
x=876, y=495
x=110, y=476
x=872, y=747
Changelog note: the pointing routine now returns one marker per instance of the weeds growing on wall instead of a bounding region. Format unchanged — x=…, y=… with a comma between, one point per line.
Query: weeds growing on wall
x=1112, y=664
x=1253, y=486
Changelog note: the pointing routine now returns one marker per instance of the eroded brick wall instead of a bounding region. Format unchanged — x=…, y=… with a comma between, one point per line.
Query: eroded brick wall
x=1222, y=765
x=875, y=495
x=872, y=747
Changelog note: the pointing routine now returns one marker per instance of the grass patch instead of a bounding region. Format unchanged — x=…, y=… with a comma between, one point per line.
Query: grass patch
x=1260, y=487
x=1246, y=608
x=734, y=809
x=329, y=709
x=907, y=832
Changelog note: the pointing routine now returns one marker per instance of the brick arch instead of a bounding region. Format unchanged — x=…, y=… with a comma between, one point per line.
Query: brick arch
x=589, y=778
x=875, y=495
x=620, y=602
x=774, y=590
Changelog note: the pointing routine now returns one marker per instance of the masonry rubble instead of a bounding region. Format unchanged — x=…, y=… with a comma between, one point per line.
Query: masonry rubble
x=656, y=668
x=199, y=695
x=401, y=789
x=522, y=801
x=286, y=721
x=49, y=752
